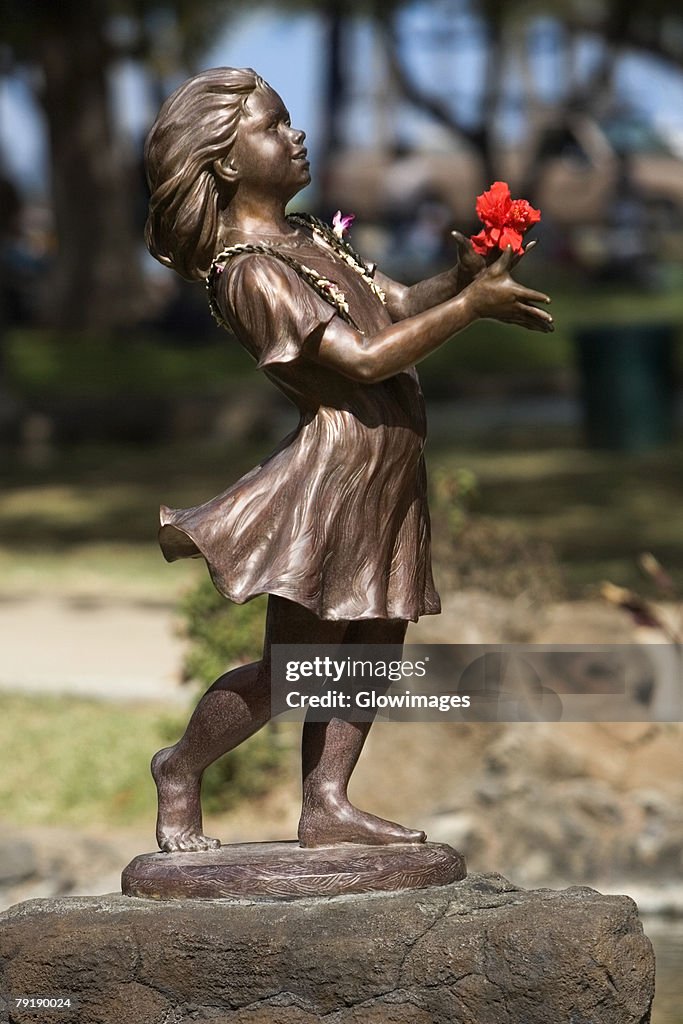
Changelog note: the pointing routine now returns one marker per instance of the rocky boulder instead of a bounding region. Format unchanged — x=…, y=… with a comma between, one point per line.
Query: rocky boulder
x=479, y=951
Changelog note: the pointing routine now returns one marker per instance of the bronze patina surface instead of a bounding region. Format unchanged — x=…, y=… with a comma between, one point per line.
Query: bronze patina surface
x=285, y=871
x=333, y=525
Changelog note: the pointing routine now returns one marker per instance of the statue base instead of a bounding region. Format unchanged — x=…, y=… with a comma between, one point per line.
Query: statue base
x=481, y=950
x=285, y=871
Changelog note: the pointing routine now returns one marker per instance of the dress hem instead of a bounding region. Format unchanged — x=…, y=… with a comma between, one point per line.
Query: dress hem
x=187, y=547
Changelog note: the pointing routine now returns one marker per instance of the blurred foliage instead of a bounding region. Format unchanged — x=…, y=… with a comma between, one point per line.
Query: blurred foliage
x=49, y=362
x=42, y=362
x=222, y=635
x=476, y=551
x=592, y=512
x=94, y=760
x=68, y=53
x=453, y=488
x=164, y=32
x=70, y=50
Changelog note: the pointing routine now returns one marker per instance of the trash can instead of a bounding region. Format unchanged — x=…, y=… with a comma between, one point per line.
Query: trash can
x=627, y=385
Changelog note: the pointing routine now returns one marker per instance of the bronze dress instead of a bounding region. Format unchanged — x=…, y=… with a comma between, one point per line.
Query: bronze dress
x=336, y=518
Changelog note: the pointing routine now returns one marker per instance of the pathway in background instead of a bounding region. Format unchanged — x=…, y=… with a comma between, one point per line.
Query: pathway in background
x=118, y=650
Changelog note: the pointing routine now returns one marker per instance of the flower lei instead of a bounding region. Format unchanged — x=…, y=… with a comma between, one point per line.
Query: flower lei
x=325, y=288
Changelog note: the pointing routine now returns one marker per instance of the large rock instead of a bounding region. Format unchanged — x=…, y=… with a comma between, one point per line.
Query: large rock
x=479, y=951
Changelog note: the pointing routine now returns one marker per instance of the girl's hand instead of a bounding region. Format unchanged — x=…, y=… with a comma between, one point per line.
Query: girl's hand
x=495, y=295
x=470, y=263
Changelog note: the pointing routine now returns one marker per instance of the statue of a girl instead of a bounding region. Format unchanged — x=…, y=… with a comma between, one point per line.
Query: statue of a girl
x=333, y=525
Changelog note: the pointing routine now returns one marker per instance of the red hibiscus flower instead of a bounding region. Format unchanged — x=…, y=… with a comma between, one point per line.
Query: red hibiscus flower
x=505, y=220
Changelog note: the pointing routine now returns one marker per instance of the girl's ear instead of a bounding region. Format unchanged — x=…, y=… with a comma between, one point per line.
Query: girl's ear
x=226, y=171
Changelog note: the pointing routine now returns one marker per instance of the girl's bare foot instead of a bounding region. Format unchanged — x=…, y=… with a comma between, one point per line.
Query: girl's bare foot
x=179, y=821
x=338, y=821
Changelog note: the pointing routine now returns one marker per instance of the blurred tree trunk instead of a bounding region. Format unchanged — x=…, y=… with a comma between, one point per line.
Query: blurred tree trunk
x=334, y=94
x=96, y=280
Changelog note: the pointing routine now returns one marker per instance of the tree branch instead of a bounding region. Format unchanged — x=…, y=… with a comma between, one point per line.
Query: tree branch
x=409, y=88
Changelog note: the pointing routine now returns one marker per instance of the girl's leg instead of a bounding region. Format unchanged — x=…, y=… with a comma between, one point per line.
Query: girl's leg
x=235, y=707
x=330, y=751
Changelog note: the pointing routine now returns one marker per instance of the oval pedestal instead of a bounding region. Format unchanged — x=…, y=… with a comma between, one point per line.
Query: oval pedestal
x=285, y=871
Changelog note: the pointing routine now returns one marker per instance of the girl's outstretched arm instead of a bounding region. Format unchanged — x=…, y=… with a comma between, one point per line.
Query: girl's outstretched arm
x=408, y=300
x=398, y=346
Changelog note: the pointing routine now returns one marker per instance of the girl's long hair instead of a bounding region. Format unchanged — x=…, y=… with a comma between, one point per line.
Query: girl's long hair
x=195, y=126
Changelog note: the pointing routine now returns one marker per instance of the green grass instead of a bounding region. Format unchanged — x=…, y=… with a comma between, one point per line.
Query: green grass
x=77, y=761
x=71, y=761
x=125, y=571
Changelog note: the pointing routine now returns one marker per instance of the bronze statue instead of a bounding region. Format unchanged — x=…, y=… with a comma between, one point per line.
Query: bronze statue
x=333, y=525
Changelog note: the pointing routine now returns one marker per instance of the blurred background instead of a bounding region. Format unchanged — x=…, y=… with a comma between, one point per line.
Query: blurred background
x=555, y=462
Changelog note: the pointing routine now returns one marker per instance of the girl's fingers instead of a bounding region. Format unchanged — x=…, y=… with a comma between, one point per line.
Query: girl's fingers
x=520, y=255
x=529, y=295
x=463, y=244
x=511, y=260
x=504, y=262
x=541, y=314
x=537, y=325
x=536, y=319
x=466, y=253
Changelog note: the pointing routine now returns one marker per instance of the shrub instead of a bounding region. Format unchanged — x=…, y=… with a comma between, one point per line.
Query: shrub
x=221, y=636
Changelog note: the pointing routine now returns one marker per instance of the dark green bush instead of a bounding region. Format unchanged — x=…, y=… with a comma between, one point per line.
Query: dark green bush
x=222, y=635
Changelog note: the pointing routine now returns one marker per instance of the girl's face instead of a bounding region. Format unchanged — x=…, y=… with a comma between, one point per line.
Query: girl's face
x=268, y=155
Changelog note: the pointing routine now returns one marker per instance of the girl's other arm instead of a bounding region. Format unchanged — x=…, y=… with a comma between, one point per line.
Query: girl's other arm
x=408, y=300
x=400, y=345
